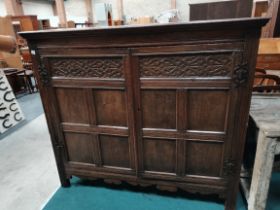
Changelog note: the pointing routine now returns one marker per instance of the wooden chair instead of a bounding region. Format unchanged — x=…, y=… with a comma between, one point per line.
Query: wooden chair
x=260, y=71
x=28, y=74
x=18, y=84
x=266, y=82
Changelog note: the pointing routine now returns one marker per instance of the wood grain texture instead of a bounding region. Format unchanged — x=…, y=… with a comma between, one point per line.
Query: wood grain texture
x=174, y=117
x=221, y=10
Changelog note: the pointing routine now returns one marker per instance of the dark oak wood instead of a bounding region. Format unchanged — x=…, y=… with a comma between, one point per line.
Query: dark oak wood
x=163, y=105
x=221, y=10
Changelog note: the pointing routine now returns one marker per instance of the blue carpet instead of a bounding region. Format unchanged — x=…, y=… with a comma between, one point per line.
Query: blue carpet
x=85, y=195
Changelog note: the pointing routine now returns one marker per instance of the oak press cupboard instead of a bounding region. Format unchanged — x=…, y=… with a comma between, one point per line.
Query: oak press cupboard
x=163, y=105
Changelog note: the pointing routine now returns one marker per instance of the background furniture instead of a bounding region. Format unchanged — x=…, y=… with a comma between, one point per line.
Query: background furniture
x=265, y=117
x=28, y=73
x=221, y=10
x=17, y=84
x=6, y=28
x=163, y=105
x=269, y=54
x=7, y=44
x=272, y=29
x=260, y=8
x=267, y=83
x=27, y=22
x=24, y=23
x=264, y=82
x=44, y=24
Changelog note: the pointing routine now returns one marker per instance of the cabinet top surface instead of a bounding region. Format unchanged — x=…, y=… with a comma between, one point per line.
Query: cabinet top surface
x=237, y=23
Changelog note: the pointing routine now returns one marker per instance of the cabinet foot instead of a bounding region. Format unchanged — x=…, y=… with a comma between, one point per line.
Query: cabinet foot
x=65, y=183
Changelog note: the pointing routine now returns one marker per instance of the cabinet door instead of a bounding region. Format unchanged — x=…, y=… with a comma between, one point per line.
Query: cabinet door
x=186, y=101
x=91, y=95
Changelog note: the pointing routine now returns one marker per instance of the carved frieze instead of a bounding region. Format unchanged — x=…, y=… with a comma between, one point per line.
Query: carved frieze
x=204, y=65
x=87, y=67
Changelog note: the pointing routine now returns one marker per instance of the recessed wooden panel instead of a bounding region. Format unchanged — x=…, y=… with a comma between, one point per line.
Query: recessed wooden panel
x=207, y=110
x=73, y=105
x=110, y=107
x=114, y=151
x=159, y=155
x=159, y=109
x=203, y=159
x=80, y=147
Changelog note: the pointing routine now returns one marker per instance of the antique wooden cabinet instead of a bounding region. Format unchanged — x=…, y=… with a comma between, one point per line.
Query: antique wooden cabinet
x=163, y=105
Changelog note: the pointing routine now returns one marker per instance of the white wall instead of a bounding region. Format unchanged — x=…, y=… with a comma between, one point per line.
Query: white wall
x=136, y=8
x=42, y=9
x=75, y=8
x=145, y=8
x=3, y=11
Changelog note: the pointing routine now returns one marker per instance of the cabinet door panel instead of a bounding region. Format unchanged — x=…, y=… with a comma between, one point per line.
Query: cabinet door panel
x=92, y=96
x=114, y=151
x=159, y=109
x=159, y=155
x=73, y=105
x=204, y=159
x=80, y=148
x=207, y=110
x=186, y=108
x=111, y=107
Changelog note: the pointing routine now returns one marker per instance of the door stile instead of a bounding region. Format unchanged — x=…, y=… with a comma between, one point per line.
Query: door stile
x=181, y=126
x=130, y=76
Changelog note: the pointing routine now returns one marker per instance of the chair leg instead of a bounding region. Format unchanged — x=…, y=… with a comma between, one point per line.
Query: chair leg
x=36, y=84
x=29, y=80
x=27, y=84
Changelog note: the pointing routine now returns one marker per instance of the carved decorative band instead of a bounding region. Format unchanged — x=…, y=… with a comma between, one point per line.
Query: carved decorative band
x=241, y=74
x=44, y=74
x=203, y=65
x=87, y=67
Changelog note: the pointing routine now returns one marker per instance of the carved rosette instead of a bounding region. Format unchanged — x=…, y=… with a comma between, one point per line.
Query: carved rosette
x=229, y=167
x=44, y=74
x=241, y=74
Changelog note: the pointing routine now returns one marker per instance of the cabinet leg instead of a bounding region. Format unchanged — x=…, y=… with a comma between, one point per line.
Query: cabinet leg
x=232, y=194
x=230, y=203
x=65, y=182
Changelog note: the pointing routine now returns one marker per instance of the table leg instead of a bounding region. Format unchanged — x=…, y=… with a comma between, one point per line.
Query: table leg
x=262, y=172
x=29, y=80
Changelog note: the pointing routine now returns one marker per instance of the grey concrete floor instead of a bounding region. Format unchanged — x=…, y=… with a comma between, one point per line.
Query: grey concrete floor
x=28, y=174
